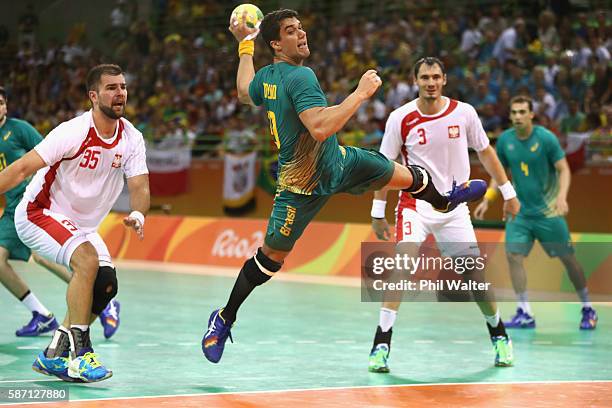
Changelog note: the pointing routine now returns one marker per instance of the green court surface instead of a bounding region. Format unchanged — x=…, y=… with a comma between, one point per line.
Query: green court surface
x=293, y=335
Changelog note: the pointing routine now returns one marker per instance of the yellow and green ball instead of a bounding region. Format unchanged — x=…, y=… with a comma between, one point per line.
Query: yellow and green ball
x=253, y=17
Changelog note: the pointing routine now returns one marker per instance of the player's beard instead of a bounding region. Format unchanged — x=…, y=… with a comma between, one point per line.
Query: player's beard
x=108, y=111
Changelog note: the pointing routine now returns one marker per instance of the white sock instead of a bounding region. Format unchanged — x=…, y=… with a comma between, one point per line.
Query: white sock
x=34, y=305
x=387, y=318
x=523, y=302
x=81, y=327
x=583, y=294
x=493, y=320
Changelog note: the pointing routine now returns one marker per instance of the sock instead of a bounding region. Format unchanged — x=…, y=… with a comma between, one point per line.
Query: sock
x=33, y=304
x=387, y=318
x=496, y=331
x=382, y=338
x=255, y=271
x=523, y=302
x=60, y=344
x=241, y=290
x=79, y=340
x=494, y=320
x=583, y=294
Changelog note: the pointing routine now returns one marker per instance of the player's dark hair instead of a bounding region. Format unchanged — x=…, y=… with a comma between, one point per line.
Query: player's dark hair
x=429, y=61
x=3, y=92
x=270, y=25
x=522, y=99
x=94, y=75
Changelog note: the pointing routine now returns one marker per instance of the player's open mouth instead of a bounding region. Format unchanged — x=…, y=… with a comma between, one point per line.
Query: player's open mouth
x=303, y=45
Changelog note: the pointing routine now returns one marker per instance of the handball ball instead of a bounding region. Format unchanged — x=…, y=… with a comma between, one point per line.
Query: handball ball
x=253, y=16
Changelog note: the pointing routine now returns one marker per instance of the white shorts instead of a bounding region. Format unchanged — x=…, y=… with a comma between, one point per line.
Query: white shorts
x=54, y=236
x=453, y=232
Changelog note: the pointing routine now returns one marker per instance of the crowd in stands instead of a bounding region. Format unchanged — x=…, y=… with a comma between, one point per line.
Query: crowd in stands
x=181, y=61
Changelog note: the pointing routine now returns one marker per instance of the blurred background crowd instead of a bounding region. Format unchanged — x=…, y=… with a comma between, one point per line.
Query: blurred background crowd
x=181, y=61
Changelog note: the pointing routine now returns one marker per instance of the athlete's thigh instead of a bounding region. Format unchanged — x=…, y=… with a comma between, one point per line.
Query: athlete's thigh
x=519, y=236
x=410, y=226
x=291, y=214
x=455, y=234
x=553, y=233
x=52, y=235
x=101, y=248
x=10, y=241
x=364, y=170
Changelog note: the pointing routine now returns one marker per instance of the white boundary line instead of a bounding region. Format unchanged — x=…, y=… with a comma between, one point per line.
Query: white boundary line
x=357, y=387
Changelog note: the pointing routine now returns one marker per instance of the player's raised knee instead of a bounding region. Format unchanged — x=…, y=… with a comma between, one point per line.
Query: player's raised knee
x=260, y=268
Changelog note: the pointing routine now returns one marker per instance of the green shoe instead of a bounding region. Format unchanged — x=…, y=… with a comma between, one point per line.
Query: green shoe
x=378, y=359
x=504, y=357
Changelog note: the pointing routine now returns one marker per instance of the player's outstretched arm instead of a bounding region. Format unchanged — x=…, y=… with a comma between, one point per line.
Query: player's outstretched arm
x=246, y=50
x=493, y=166
x=20, y=169
x=324, y=122
x=140, y=202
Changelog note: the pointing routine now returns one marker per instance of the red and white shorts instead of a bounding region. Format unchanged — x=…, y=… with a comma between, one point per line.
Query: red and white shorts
x=54, y=236
x=453, y=232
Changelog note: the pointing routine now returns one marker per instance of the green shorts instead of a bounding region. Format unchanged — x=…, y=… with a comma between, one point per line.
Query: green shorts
x=10, y=240
x=552, y=233
x=364, y=170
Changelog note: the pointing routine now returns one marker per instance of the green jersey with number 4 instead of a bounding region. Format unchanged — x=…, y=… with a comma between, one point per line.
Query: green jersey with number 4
x=532, y=164
x=306, y=166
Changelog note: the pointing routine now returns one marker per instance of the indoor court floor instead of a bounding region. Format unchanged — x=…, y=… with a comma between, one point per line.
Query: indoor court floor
x=305, y=342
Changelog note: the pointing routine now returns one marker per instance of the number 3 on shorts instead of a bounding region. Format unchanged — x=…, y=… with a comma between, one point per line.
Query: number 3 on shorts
x=273, y=131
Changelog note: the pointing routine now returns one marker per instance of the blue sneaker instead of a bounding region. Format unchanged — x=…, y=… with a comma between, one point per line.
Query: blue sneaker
x=215, y=337
x=38, y=325
x=57, y=366
x=110, y=318
x=521, y=320
x=589, y=319
x=87, y=368
x=471, y=190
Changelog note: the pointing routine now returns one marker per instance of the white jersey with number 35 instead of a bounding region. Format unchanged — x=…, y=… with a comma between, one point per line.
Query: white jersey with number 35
x=85, y=172
x=437, y=142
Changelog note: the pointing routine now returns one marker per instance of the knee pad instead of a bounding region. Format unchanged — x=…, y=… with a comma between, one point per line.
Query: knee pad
x=105, y=288
x=423, y=188
x=259, y=268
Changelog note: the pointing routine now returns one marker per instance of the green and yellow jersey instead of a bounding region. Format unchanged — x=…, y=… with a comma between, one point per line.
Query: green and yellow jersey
x=532, y=165
x=17, y=137
x=306, y=166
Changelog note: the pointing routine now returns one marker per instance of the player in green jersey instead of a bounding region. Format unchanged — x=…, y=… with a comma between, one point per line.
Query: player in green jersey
x=312, y=166
x=541, y=177
x=16, y=138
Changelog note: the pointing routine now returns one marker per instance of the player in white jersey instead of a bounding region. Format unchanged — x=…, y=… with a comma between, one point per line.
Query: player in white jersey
x=80, y=168
x=435, y=132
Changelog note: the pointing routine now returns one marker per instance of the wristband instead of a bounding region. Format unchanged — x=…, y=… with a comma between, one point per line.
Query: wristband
x=138, y=216
x=491, y=194
x=507, y=191
x=378, y=208
x=246, y=47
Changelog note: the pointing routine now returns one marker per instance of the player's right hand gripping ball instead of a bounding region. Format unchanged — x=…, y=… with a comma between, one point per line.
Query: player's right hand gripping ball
x=253, y=17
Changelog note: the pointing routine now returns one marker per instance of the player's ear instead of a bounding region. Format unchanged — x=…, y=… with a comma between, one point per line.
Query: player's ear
x=275, y=45
x=93, y=96
x=444, y=83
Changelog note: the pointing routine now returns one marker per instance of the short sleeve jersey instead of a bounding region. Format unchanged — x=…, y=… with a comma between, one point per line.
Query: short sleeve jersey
x=17, y=137
x=306, y=166
x=438, y=142
x=532, y=165
x=85, y=172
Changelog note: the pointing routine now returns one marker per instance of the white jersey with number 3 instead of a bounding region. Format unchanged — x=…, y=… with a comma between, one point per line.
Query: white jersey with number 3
x=85, y=172
x=437, y=142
